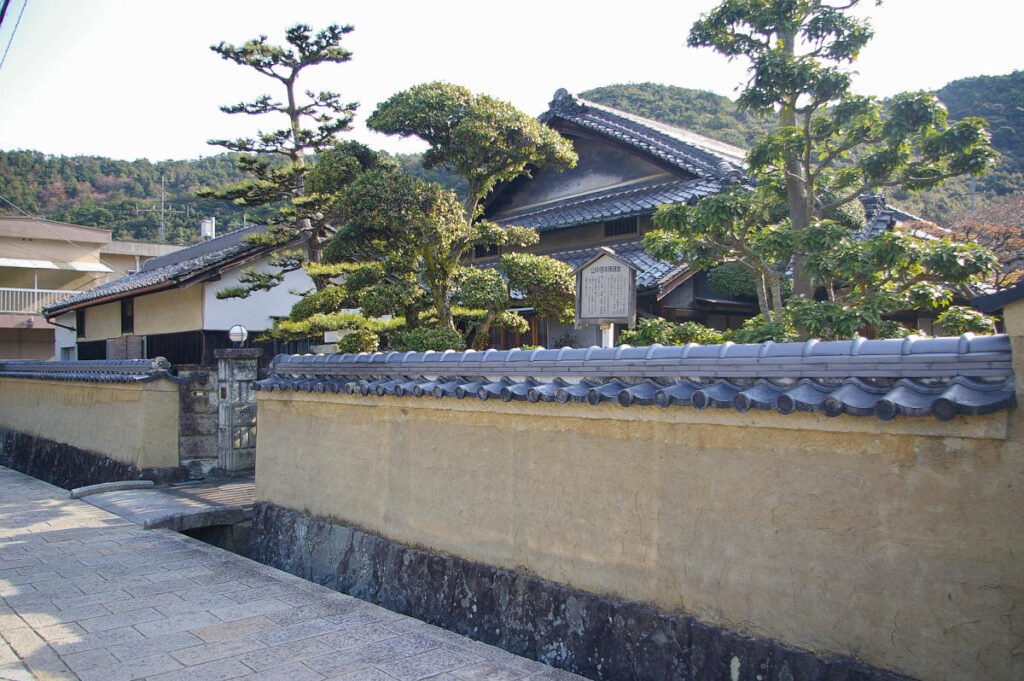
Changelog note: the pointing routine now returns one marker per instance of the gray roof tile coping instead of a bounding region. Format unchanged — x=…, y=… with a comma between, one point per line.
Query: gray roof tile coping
x=966, y=351
x=913, y=377
x=96, y=371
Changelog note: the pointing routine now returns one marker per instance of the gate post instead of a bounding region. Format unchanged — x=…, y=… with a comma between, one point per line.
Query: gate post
x=237, y=371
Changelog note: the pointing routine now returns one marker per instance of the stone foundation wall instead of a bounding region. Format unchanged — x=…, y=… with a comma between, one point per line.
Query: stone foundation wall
x=69, y=467
x=598, y=637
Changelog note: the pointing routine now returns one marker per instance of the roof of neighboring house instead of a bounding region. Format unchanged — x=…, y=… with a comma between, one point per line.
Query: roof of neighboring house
x=994, y=302
x=942, y=377
x=696, y=154
x=650, y=272
x=881, y=216
x=611, y=204
x=140, y=248
x=170, y=270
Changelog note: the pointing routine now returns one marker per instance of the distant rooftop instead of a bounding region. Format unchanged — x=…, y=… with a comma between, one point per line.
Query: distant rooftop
x=169, y=270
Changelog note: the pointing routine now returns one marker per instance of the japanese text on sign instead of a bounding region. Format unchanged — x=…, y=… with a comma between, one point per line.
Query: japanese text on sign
x=605, y=290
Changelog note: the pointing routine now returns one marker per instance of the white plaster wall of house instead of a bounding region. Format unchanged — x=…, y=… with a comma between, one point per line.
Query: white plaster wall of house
x=257, y=312
x=65, y=341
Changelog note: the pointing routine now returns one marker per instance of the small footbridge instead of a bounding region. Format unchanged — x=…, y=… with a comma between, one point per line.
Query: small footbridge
x=179, y=507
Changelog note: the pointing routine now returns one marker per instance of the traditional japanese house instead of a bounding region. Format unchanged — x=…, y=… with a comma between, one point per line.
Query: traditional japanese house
x=628, y=166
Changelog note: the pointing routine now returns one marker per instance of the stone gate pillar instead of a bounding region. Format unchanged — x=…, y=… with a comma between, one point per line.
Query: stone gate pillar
x=237, y=371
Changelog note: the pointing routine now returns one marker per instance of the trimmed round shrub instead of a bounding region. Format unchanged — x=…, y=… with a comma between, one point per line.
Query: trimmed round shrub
x=358, y=341
x=424, y=338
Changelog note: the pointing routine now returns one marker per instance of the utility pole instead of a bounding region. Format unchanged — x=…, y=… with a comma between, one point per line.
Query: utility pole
x=163, y=211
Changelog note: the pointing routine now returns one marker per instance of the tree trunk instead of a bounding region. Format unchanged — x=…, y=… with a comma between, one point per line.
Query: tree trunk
x=483, y=332
x=775, y=285
x=797, y=191
x=443, y=307
x=762, y=295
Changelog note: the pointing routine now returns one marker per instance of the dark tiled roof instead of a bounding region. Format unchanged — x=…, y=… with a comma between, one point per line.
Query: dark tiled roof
x=97, y=371
x=879, y=216
x=168, y=269
x=614, y=203
x=650, y=271
x=943, y=377
x=702, y=156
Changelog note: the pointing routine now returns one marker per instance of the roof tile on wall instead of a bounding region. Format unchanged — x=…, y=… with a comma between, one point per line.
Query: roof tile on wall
x=943, y=377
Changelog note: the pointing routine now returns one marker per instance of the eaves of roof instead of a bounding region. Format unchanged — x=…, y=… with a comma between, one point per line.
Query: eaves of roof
x=994, y=302
x=179, y=274
x=614, y=203
x=696, y=154
x=651, y=272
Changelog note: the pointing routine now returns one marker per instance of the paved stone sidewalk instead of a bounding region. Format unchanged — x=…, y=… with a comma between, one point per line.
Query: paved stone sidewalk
x=87, y=595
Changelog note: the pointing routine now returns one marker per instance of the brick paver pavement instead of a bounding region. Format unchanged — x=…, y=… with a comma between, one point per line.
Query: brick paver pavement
x=87, y=595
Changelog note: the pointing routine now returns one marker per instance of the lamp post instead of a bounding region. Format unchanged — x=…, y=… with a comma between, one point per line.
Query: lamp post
x=237, y=334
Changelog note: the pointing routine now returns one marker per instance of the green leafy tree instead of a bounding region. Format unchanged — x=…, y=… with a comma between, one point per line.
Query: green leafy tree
x=734, y=226
x=277, y=159
x=959, y=319
x=406, y=238
x=481, y=139
x=521, y=280
x=831, y=145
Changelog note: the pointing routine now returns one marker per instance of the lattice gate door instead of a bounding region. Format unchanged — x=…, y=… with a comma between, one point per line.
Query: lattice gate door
x=236, y=437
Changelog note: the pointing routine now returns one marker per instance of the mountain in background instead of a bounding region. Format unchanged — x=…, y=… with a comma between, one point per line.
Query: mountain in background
x=997, y=99
x=124, y=196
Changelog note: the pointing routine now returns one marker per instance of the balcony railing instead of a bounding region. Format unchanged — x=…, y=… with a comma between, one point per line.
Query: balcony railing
x=30, y=300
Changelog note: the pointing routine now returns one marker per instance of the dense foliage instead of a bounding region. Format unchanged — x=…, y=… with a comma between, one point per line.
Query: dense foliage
x=994, y=98
x=275, y=161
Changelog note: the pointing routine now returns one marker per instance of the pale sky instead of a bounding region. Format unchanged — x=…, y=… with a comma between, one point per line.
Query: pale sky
x=133, y=79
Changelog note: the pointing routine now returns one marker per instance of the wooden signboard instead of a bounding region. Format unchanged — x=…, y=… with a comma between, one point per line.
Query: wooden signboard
x=606, y=291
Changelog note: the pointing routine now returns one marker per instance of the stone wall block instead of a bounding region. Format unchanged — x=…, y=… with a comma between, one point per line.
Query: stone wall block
x=596, y=636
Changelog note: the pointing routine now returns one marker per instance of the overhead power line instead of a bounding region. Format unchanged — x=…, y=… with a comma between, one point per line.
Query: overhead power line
x=15, y=30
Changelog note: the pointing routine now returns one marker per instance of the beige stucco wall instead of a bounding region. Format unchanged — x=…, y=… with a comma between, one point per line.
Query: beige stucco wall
x=26, y=343
x=122, y=263
x=169, y=311
x=46, y=248
x=134, y=423
x=103, y=321
x=893, y=542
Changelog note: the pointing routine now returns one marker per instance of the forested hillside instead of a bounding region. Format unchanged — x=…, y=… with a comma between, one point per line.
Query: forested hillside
x=121, y=195
x=998, y=99
x=124, y=196
x=697, y=110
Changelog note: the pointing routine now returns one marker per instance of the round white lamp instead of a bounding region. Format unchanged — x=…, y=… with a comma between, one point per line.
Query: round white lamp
x=237, y=334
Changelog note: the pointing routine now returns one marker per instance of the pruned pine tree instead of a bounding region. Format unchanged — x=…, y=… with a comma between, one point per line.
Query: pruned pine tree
x=277, y=159
x=413, y=235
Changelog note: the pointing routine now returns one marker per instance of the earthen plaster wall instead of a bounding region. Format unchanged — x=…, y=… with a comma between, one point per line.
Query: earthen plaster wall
x=892, y=542
x=103, y=321
x=169, y=311
x=133, y=423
